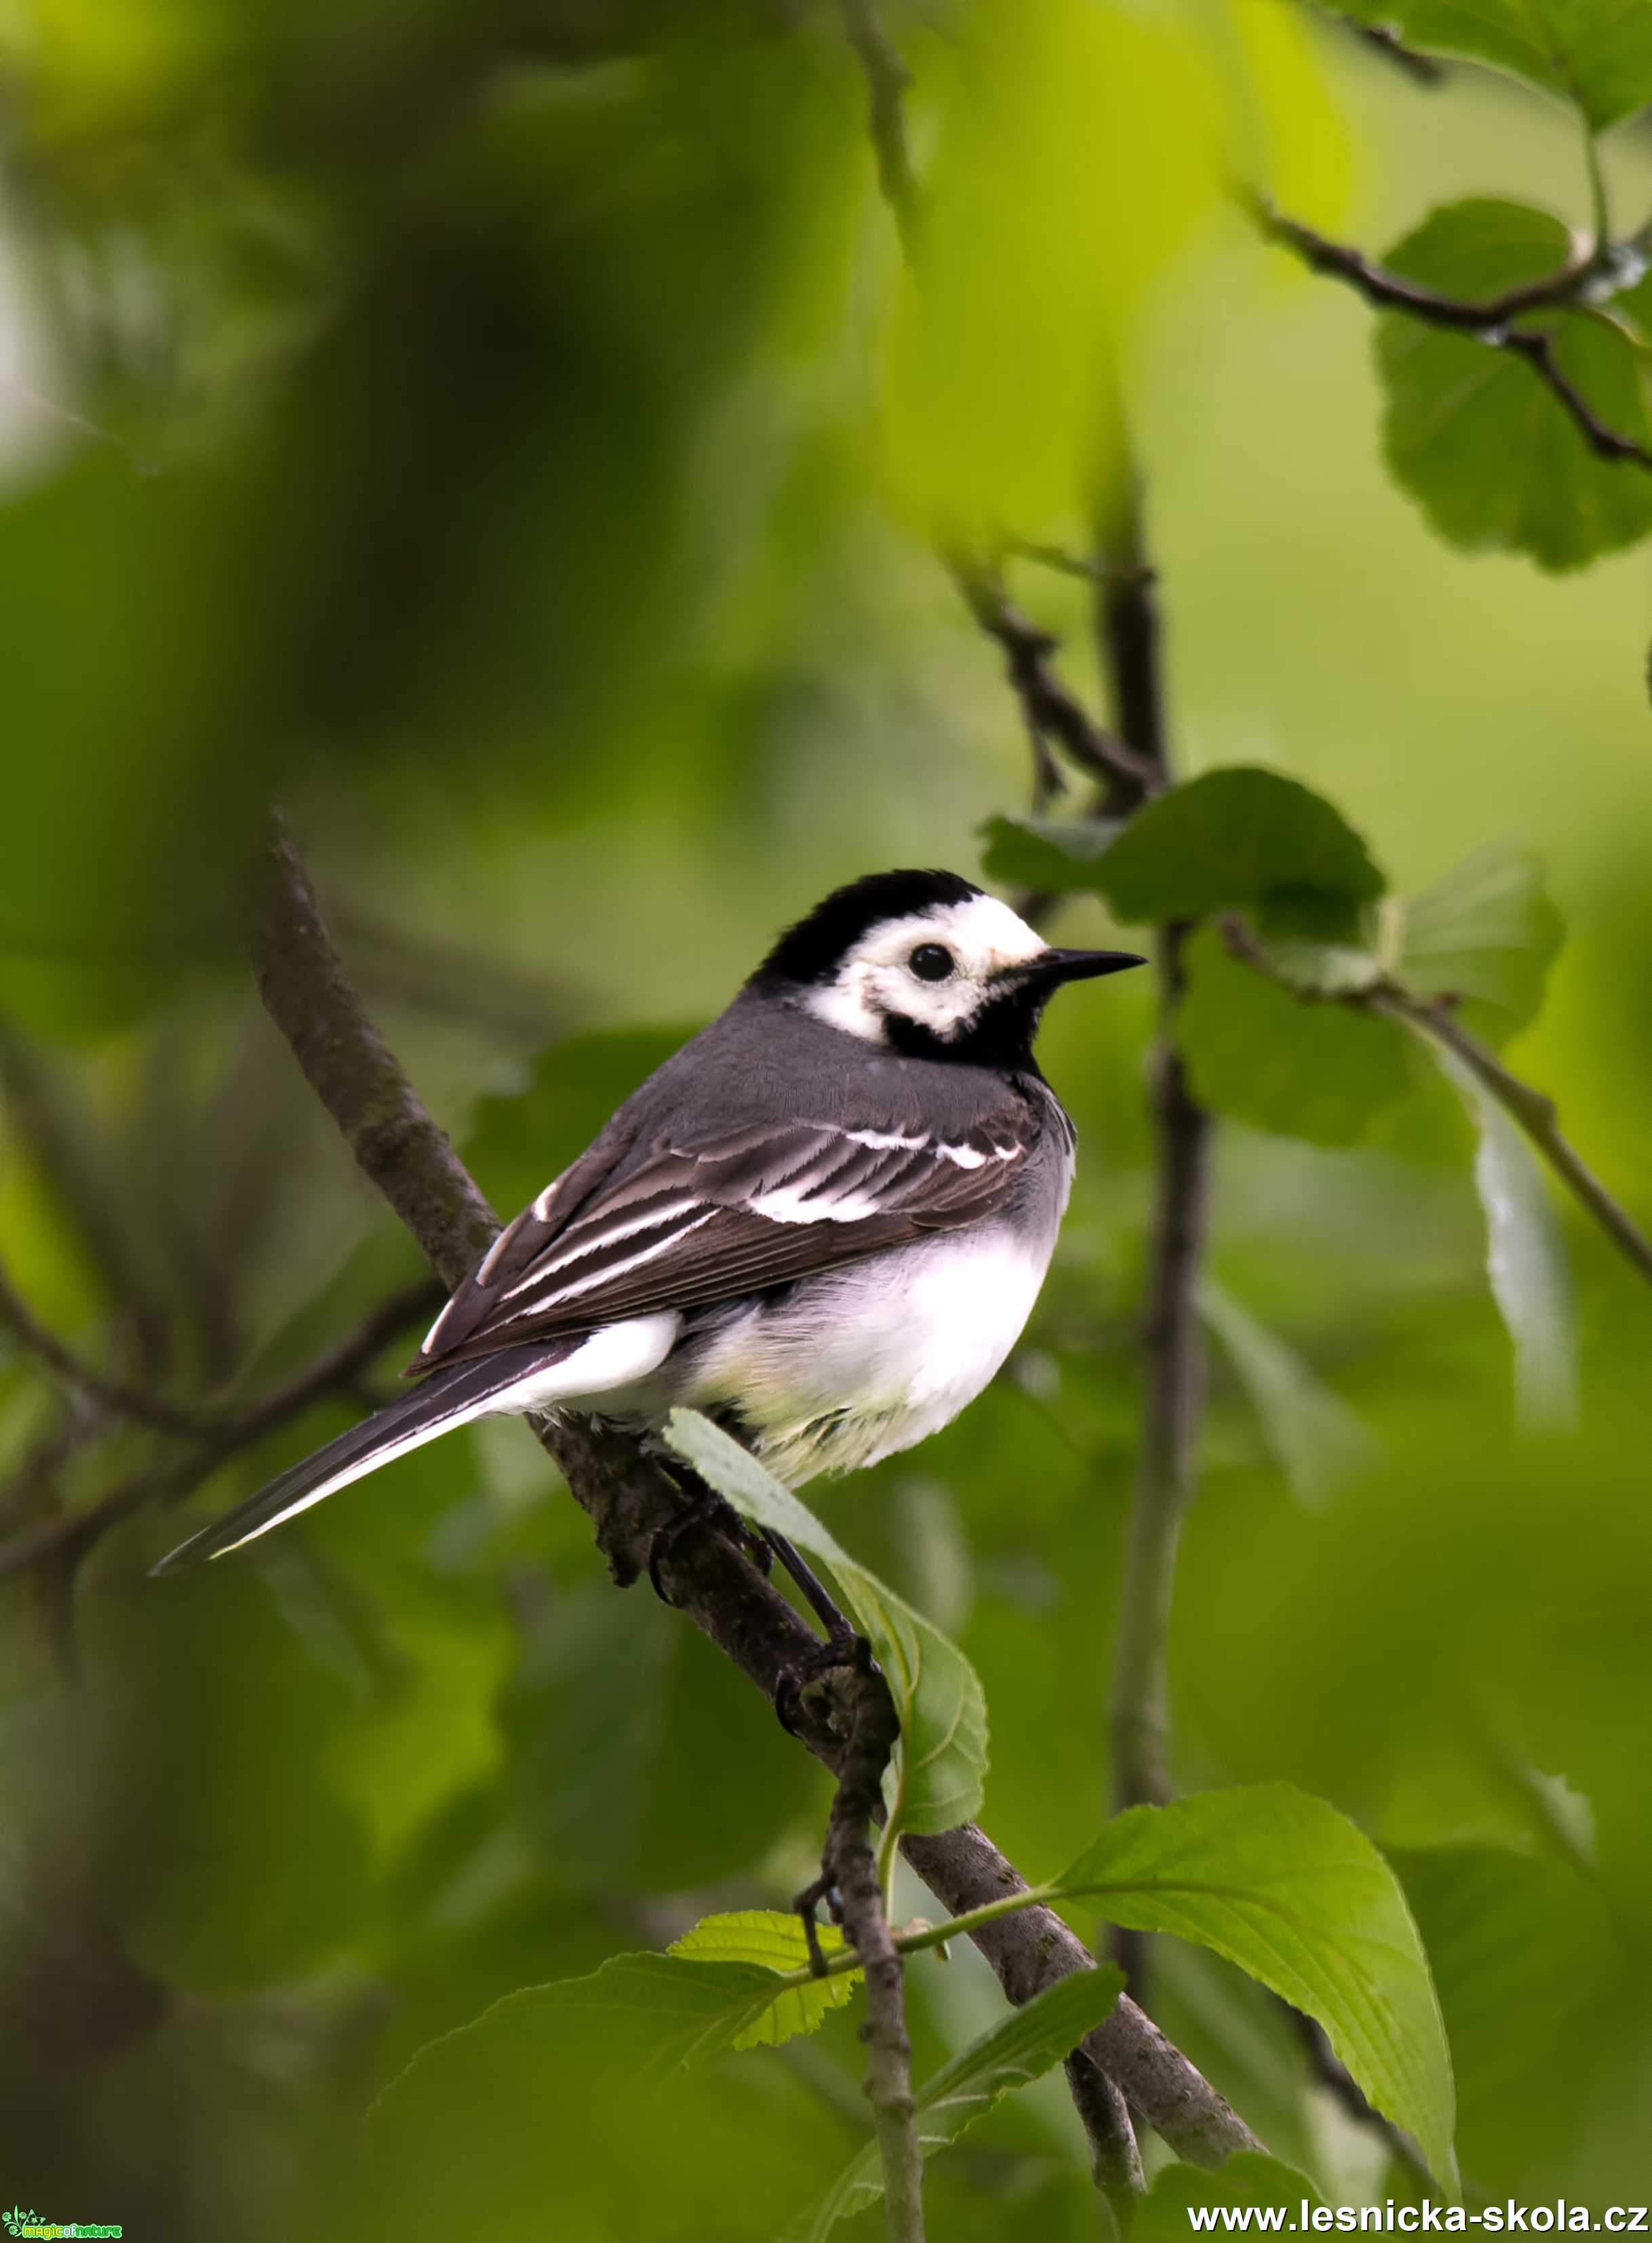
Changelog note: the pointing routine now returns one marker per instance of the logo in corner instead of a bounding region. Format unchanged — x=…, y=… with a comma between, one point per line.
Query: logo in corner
x=17, y=2221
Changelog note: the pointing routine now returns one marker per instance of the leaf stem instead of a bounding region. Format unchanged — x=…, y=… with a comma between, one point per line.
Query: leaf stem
x=1530, y=1110
x=1600, y=208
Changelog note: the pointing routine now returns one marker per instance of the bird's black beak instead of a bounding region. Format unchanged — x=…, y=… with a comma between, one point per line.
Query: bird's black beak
x=1051, y=968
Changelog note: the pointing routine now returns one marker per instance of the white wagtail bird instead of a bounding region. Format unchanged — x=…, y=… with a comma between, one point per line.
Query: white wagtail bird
x=824, y=1222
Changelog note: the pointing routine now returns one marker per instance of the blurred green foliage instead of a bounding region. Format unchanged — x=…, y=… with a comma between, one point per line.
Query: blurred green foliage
x=508, y=434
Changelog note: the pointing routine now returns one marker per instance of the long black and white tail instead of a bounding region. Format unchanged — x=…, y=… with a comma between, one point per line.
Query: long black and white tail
x=445, y=1400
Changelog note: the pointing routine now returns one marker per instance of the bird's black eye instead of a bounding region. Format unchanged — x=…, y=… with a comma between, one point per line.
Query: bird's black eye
x=931, y=961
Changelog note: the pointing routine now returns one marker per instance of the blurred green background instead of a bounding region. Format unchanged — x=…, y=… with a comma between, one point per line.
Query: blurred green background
x=504, y=432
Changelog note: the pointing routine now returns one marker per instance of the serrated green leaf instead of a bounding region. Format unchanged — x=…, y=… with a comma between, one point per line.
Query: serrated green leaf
x=1233, y=838
x=774, y=1942
x=1020, y=2048
x=1492, y=456
x=1295, y=1895
x=1485, y=934
x=1320, y=1442
x=936, y=1779
x=645, y=2015
x=1245, y=2179
x=1053, y=855
x=1596, y=53
x=1256, y=1051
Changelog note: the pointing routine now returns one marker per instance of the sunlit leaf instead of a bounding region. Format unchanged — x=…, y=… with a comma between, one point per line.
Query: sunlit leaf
x=1597, y=53
x=1475, y=435
x=776, y=1942
x=1297, y=1896
x=1075, y=145
x=939, y=1768
x=1019, y=2048
x=1236, y=836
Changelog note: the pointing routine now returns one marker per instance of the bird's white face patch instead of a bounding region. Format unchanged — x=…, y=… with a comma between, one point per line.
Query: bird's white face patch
x=980, y=936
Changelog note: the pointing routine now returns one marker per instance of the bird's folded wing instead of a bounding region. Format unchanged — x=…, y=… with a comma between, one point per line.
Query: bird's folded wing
x=712, y=1217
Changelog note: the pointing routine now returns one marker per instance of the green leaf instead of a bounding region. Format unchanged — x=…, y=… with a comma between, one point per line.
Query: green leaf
x=535, y=2110
x=774, y=1942
x=1236, y=836
x=1509, y=1935
x=1053, y=855
x=1320, y=1442
x=1597, y=53
x=1485, y=934
x=1281, y=1063
x=1245, y=2179
x=935, y=1781
x=1492, y=456
x=1526, y=1264
x=1293, y=1893
x=645, y=2015
x=1020, y=2048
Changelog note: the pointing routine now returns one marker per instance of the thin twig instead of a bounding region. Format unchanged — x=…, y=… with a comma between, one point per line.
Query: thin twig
x=849, y=1870
x=631, y=1501
x=1129, y=631
x=1335, y=2075
x=215, y=1441
x=1050, y=710
x=1390, y=292
x=887, y=80
x=1115, y=2156
x=62, y=1144
x=1084, y=566
x=1489, y=322
x=91, y=1386
x=1421, y=69
x=1530, y=1110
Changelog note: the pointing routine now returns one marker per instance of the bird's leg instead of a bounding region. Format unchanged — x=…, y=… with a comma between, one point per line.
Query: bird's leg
x=702, y=1507
x=838, y=1628
x=806, y=1903
x=842, y=1648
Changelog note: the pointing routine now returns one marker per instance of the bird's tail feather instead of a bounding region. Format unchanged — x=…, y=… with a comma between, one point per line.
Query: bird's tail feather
x=445, y=1401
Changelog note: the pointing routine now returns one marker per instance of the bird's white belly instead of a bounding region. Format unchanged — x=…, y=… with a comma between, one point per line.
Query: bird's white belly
x=886, y=1352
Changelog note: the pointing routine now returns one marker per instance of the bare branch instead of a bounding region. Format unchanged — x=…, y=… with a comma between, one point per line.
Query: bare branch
x=1390, y=293
x=1128, y=628
x=1489, y=322
x=1052, y=712
x=630, y=1501
x=64, y=1147
x=887, y=79
x=215, y=1440
x=1421, y=69
x=1532, y=1111
x=88, y=1386
x=1115, y=2157
x=848, y=1868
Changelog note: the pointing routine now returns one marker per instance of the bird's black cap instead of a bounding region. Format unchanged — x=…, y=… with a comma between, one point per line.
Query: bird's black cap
x=813, y=950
